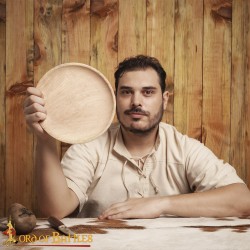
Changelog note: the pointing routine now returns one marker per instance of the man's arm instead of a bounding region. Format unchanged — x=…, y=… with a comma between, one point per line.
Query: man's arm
x=54, y=196
x=231, y=200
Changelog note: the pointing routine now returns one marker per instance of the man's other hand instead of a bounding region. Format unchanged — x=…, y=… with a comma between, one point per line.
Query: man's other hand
x=135, y=208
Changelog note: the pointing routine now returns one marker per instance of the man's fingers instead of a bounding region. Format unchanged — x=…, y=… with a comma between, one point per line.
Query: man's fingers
x=116, y=209
x=35, y=111
x=35, y=117
x=133, y=208
x=34, y=91
x=119, y=209
x=33, y=108
x=33, y=99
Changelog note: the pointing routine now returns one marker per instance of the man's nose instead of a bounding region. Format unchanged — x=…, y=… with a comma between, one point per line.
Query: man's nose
x=136, y=99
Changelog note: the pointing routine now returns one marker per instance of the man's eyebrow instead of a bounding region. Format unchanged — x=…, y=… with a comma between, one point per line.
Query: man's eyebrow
x=125, y=87
x=149, y=87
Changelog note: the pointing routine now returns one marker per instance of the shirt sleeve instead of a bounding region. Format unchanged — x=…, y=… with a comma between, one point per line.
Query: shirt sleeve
x=78, y=166
x=204, y=170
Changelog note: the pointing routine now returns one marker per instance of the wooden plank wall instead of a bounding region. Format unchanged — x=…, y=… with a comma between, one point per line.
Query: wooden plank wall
x=204, y=46
x=18, y=169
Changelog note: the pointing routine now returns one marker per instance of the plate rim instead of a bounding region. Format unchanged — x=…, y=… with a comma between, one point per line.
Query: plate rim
x=76, y=141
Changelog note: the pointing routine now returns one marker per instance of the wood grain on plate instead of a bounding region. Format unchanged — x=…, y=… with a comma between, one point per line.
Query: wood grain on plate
x=79, y=100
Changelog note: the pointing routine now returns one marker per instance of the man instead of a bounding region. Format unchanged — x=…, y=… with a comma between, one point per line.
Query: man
x=141, y=168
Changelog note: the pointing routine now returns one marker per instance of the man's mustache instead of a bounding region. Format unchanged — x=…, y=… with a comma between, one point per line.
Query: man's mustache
x=136, y=110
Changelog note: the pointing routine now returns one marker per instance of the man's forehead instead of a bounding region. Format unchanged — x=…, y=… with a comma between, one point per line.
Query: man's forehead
x=140, y=78
x=140, y=71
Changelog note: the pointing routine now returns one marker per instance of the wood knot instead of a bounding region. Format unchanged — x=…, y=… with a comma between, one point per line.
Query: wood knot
x=2, y=13
x=19, y=88
x=37, y=52
x=222, y=12
x=170, y=85
x=77, y=6
x=102, y=9
x=115, y=43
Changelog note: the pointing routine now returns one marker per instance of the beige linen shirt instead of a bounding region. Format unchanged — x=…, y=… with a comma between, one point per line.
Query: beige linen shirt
x=103, y=172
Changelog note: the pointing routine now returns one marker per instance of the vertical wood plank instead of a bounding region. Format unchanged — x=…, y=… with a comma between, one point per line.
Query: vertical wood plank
x=75, y=36
x=217, y=76
x=188, y=67
x=2, y=103
x=238, y=87
x=19, y=75
x=132, y=28
x=29, y=19
x=47, y=33
x=104, y=35
x=160, y=43
x=247, y=93
x=48, y=41
x=76, y=31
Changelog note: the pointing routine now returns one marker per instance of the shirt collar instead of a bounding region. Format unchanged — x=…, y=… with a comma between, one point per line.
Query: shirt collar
x=121, y=149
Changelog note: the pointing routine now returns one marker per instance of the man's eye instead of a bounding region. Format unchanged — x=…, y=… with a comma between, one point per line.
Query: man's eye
x=148, y=92
x=126, y=92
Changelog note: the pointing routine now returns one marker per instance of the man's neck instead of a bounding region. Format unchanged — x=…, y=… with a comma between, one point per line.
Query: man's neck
x=139, y=145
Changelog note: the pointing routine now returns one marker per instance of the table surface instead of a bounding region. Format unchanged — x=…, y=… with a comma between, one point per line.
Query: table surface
x=172, y=233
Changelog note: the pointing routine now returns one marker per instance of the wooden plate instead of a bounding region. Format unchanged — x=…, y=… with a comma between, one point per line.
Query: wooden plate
x=80, y=103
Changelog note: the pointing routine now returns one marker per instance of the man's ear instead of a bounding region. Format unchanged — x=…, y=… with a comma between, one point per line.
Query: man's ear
x=165, y=97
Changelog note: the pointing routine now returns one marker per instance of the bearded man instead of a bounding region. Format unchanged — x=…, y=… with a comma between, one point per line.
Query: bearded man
x=139, y=168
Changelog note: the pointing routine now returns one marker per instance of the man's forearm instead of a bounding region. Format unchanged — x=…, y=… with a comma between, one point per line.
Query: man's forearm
x=231, y=200
x=55, y=198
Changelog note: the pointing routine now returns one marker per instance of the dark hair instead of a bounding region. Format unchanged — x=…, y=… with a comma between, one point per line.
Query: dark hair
x=141, y=62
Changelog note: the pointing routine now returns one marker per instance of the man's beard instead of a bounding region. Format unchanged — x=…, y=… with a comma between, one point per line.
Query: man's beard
x=153, y=123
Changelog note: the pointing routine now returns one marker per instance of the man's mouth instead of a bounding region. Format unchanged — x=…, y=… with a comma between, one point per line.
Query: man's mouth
x=136, y=115
x=136, y=112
